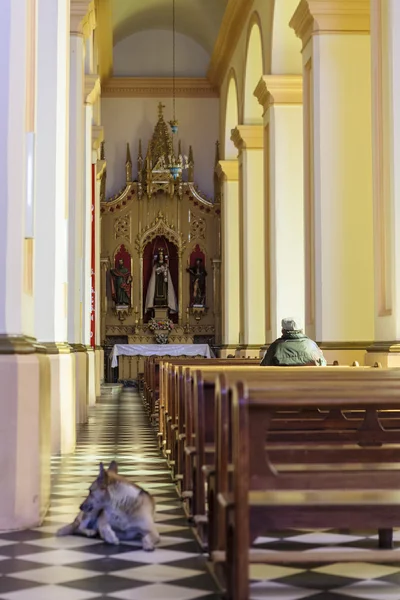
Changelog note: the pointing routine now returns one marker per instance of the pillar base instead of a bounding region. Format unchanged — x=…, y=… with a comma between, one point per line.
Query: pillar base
x=387, y=354
x=82, y=383
x=345, y=353
x=24, y=440
x=99, y=362
x=91, y=376
x=63, y=393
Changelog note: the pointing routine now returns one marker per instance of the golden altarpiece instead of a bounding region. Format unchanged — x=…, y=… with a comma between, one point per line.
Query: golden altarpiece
x=160, y=253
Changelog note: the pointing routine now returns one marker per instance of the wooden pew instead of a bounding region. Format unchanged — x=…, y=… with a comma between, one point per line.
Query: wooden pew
x=262, y=498
x=198, y=452
x=169, y=388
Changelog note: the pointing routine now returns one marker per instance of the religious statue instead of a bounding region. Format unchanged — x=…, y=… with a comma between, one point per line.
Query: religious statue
x=160, y=291
x=121, y=280
x=198, y=276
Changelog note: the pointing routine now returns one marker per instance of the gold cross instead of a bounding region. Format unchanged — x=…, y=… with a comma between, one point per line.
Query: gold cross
x=160, y=109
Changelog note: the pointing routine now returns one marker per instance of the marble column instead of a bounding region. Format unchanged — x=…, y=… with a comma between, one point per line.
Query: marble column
x=228, y=173
x=385, y=53
x=281, y=98
x=99, y=166
x=24, y=431
x=92, y=92
x=337, y=178
x=51, y=246
x=248, y=139
x=75, y=206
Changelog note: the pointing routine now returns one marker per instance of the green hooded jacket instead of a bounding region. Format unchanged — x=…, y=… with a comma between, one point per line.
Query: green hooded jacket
x=293, y=349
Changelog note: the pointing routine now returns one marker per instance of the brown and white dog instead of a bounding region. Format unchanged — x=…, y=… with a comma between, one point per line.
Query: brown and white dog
x=116, y=510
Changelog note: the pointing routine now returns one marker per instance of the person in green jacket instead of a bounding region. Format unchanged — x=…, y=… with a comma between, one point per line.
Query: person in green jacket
x=293, y=349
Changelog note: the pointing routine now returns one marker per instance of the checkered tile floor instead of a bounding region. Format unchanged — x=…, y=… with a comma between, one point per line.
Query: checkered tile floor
x=35, y=565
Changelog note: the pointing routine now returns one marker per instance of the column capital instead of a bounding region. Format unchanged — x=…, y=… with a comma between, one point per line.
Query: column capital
x=279, y=89
x=92, y=88
x=228, y=170
x=82, y=17
x=249, y=137
x=313, y=17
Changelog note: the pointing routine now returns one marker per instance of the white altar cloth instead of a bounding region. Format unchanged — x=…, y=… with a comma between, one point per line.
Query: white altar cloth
x=159, y=350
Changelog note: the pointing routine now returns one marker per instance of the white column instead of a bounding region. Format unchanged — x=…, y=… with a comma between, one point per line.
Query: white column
x=338, y=180
x=228, y=172
x=281, y=98
x=76, y=181
x=51, y=256
x=385, y=53
x=23, y=434
x=92, y=91
x=249, y=141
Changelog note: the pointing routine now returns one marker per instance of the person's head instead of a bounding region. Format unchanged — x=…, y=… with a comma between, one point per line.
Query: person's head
x=160, y=255
x=199, y=262
x=121, y=262
x=291, y=325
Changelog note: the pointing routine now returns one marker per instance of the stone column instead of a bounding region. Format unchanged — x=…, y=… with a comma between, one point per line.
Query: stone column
x=92, y=92
x=248, y=139
x=385, y=53
x=228, y=173
x=76, y=196
x=51, y=248
x=337, y=178
x=281, y=98
x=24, y=431
x=98, y=166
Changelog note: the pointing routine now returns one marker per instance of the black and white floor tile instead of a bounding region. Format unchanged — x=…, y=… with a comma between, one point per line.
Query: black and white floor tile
x=36, y=565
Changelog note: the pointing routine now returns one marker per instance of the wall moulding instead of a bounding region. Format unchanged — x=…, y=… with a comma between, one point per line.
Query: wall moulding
x=228, y=170
x=83, y=17
x=249, y=137
x=158, y=87
x=330, y=16
x=92, y=88
x=279, y=89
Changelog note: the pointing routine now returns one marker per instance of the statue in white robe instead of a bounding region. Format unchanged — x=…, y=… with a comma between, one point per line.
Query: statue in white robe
x=160, y=291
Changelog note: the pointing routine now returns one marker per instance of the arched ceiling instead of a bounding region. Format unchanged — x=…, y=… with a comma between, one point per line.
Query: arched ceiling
x=198, y=19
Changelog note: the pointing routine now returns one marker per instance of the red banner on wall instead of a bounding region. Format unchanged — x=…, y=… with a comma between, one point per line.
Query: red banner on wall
x=93, y=264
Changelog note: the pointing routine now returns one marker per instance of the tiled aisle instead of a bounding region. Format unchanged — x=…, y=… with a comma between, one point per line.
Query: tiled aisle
x=35, y=565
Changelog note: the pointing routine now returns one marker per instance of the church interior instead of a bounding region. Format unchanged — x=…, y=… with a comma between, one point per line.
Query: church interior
x=179, y=177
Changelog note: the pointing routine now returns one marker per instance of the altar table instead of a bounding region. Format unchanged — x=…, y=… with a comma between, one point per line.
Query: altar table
x=159, y=350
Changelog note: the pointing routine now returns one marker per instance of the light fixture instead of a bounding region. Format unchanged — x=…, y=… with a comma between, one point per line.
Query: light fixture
x=175, y=164
x=174, y=122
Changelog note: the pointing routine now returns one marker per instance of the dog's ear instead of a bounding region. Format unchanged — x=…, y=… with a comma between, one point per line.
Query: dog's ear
x=102, y=473
x=113, y=466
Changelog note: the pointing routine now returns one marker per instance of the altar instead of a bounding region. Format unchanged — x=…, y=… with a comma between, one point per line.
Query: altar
x=132, y=356
x=160, y=257
x=144, y=350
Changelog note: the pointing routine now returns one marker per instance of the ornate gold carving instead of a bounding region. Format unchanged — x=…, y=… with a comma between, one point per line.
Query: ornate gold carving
x=198, y=227
x=128, y=165
x=160, y=226
x=122, y=227
x=159, y=87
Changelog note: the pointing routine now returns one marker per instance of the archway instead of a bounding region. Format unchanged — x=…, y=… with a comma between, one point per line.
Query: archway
x=231, y=117
x=254, y=70
x=285, y=46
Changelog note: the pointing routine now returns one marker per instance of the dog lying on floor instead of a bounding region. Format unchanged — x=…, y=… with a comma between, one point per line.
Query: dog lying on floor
x=116, y=510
